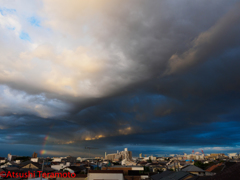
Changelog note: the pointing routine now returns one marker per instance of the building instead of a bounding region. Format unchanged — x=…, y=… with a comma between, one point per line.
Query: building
x=75, y=169
x=2, y=160
x=60, y=166
x=105, y=174
x=125, y=169
x=119, y=156
x=196, y=171
x=9, y=164
x=11, y=157
x=34, y=155
x=57, y=159
x=168, y=175
x=30, y=165
x=232, y=155
x=71, y=159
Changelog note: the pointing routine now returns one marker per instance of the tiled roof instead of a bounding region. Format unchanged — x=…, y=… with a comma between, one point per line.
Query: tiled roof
x=192, y=168
x=213, y=167
x=230, y=173
x=11, y=168
x=176, y=175
x=106, y=171
x=161, y=175
x=30, y=162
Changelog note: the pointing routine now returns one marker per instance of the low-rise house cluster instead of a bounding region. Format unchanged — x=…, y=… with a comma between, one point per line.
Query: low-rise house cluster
x=122, y=166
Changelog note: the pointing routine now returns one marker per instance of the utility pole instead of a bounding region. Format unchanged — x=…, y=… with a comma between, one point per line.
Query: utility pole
x=86, y=147
x=42, y=170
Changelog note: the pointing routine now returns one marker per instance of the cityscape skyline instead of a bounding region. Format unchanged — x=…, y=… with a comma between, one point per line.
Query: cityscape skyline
x=157, y=77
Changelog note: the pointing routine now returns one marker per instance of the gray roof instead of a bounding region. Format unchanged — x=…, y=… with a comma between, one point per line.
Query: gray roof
x=11, y=168
x=176, y=176
x=192, y=168
x=12, y=163
x=30, y=162
x=161, y=175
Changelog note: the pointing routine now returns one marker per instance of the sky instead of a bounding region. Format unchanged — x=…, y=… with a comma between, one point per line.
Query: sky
x=156, y=76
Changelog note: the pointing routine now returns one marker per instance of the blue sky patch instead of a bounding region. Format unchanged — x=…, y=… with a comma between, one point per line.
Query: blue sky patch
x=24, y=36
x=4, y=11
x=34, y=21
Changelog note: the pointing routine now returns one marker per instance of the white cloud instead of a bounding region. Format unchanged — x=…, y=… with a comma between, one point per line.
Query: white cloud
x=19, y=103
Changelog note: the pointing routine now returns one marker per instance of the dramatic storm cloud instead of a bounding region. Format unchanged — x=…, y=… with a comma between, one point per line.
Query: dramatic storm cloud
x=156, y=76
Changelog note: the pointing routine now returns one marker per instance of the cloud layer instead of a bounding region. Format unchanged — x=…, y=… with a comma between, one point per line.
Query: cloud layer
x=155, y=76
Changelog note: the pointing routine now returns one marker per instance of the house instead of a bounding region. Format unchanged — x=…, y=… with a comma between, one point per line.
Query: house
x=12, y=169
x=196, y=170
x=125, y=169
x=161, y=175
x=215, y=167
x=156, y=167
x=57, y=159
x=105, y=174
x=34, y=159
x=11, y=157
x=174, y=165
x=30, y=165
x=136, y=177
x=2, y=160
x=232, y=172
x=59, y=166
x=71, y=159
x=171, y=175
x=10, y=164
x=59, y=176
x=39, y=160
x=75, y=169
x=181, y=175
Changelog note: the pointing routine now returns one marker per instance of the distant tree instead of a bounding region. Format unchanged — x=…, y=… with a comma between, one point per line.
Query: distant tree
x=146, y=169
x=198, y=164
x=149, y=160
x=23, y=158
x=201, y=165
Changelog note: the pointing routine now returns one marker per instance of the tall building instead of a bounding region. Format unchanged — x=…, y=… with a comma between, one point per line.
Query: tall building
x=119, y=156
x=34, y=155
x=11, y=157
